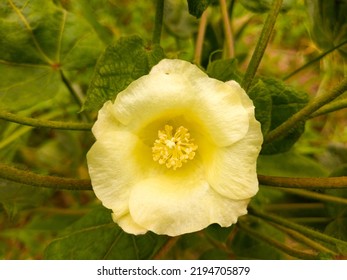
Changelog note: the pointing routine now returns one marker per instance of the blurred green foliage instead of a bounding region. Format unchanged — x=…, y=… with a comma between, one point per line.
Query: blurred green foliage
x=55, y=55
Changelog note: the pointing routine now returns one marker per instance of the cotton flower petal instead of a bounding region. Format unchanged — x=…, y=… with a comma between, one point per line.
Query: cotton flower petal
x=232, y=170
x=113, y=169
x=211, y=104
x=106, y=122
x=127, y=223
x=173, y=207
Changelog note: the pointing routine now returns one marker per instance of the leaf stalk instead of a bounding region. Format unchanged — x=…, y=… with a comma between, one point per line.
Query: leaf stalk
x=285, y=128
x=52, y=182
x=158, y=23
x=261, y=44
x=39, y=123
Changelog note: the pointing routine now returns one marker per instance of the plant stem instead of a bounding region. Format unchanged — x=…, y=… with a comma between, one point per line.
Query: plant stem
x=200, y=37
x=32, y=179
x=158, y=23
x=165, y=249
x=311, y=220
x=317, y=196
x=23, y=130
x=70, y=88
x=293, y=206
x=304, y=183
x=75, y=95
x=331, y=107
x=219, y=245
x=288, y=250
x=314, y=60
x=285, y=128
x=39, y=123
x=227, y=29
x=302, y=238
x=261, y=44
x=302, y=229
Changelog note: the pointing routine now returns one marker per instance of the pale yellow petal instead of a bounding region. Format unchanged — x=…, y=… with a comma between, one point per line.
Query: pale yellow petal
x=106, y=121
x=220, y=113
x=213, y=107
x=114, y=168
x=180, y=67
x=173, y=207
x=127, y=224
x=231, y=170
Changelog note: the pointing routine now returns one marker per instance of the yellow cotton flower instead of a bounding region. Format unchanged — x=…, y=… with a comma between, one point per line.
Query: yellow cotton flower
x=176, y=152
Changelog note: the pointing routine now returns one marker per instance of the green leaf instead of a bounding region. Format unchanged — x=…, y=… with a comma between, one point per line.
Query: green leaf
x=15, y=197
x=214, y=254
x=38, y=40
x=96, y=236
x=290, y=164
x=197, y=7
x=338, y=228
x=178, y=21
x=121, y=63
x=328, y=23
x=263, y=103
x=285, y=102
x=262, y=6
x=54, y=154
x=224, y=70
x=95, y=13
x=246, y=246
x=218, y=233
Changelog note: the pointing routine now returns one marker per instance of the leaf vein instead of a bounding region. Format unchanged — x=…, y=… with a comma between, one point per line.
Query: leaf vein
x=28, y=27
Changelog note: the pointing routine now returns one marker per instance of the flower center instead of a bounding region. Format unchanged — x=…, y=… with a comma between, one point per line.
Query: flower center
x=173, y=149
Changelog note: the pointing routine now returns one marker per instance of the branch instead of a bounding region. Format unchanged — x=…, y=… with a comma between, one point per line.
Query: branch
x=305, y=240
x=314, y=60
x=316, y=195
x=165, y=249
x=70, y=88
x=336, y=105
x=32, y=179
x=200, y=37
x=286, y=249
x=304, y=183
x=44, y=123
x=261, y=44
x=285, y=128
x=158, y=23
x=302, y=229
x=227, y=28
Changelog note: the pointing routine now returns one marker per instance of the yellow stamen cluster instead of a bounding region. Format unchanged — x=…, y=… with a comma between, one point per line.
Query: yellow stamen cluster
x=173, y=149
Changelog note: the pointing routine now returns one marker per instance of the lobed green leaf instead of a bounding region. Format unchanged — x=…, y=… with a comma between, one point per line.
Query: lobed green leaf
x=285, y=102
x=96, y=236
x=38, y=40
x=122, y=62
x=224, y=70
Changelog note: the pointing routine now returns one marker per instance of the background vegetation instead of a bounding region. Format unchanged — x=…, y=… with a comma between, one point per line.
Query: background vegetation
x=52, y=62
